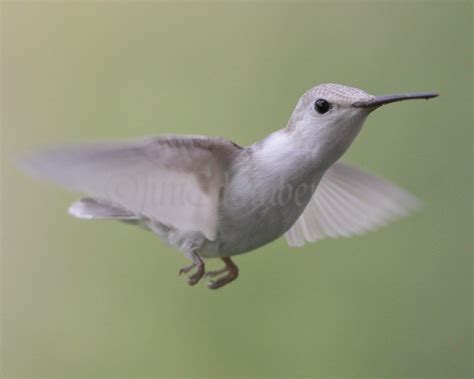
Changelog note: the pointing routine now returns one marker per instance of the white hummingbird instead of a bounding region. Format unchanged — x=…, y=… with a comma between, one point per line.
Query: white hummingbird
x=210, y=198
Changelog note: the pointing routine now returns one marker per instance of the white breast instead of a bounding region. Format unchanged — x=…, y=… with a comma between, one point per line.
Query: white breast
x=267, y=190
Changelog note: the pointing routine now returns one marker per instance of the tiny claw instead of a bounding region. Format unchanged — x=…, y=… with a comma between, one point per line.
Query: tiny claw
x=194, y=278
x=215, y=284
x=199, y=264
x=231, y=273
x=212, y=285
x=186, y=269
x=214, y=273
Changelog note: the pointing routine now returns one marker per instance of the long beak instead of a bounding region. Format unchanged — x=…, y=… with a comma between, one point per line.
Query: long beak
x=378, y=101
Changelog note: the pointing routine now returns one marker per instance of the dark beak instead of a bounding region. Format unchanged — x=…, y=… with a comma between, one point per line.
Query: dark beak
x=378, y=101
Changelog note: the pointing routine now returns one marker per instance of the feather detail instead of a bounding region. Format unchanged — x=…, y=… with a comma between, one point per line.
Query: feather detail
x=348, y=202
x=173, y=180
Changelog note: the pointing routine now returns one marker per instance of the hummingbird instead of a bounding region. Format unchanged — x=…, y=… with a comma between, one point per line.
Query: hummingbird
x=211, y=198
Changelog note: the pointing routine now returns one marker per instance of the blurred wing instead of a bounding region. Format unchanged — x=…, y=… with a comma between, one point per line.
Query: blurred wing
x=174, y=180
x=349, y=201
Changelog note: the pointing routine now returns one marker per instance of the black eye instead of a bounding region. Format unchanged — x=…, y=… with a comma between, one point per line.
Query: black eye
x=322, y=106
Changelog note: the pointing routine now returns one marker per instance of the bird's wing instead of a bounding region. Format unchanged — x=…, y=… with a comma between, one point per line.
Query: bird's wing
x=174, y=180
x=349, y=201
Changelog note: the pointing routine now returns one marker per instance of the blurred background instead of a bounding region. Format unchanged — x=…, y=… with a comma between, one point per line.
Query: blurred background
x=102, y=299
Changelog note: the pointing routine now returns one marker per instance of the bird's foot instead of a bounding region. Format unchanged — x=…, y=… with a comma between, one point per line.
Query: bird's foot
x=200, y=269
x=231, y=270
x=196, y=277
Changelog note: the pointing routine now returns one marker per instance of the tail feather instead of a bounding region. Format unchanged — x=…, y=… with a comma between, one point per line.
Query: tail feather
x=89, y=208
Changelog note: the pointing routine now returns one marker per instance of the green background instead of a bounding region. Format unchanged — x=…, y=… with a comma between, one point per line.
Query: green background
x=101, y=299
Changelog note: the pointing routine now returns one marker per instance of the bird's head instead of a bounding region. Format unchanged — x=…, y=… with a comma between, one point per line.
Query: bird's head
x=329, y=116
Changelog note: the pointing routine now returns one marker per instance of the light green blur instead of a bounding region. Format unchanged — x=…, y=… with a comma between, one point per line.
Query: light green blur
x=102, y=299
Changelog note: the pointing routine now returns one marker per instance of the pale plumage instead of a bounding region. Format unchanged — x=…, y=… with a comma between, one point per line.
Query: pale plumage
x=175, y=180
x=347, y=202
x=209, y=197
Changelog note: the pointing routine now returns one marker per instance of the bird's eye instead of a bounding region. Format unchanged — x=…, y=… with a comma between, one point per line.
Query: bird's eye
x=322, y=106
